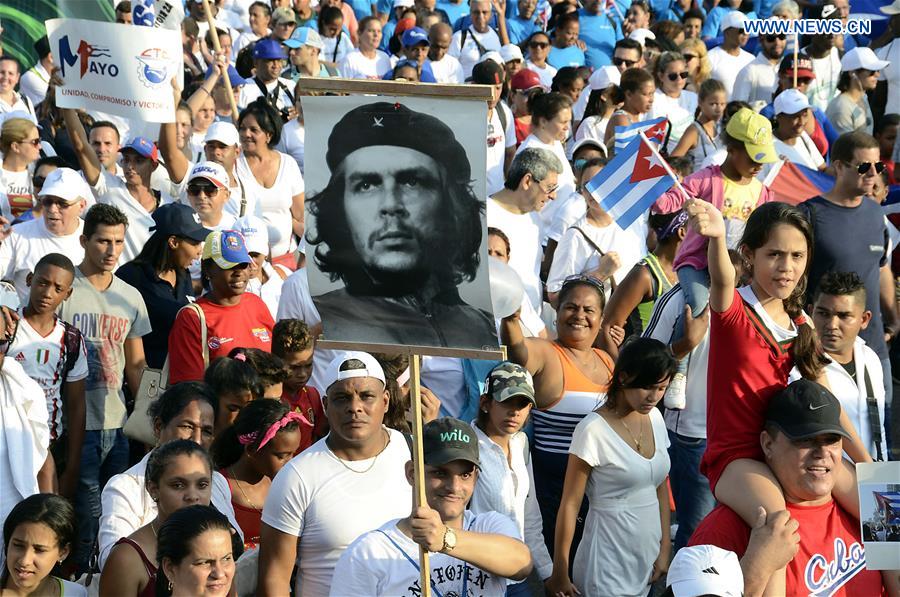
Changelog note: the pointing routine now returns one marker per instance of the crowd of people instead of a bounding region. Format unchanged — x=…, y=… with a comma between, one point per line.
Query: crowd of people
x=684, y=400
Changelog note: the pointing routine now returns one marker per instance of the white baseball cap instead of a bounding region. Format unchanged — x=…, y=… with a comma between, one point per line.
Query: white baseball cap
x=211, y=171
x=492, y=55
x=603, y=77
x=862, y=57
x=790, y=101
x=641, y=35
x=511, y=52
x=705, y=570
x=890, y=9
x=255, y=233
x=403, y=3
x=223, y=132
x=733, y=20
x=66, y=184
x=334, y=373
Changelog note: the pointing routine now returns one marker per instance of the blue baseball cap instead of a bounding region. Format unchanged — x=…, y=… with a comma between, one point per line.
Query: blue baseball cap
x=304, y=36
x=415, y=36
x=143, y=146
x=226, y=248
x=179, y=219
x=268, y=49
x=234, y=77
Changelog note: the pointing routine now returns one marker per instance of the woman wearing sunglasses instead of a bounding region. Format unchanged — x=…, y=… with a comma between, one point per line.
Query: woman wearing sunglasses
x=671, y=99
x=850, y=110
x=20, y=144
x=693, y=50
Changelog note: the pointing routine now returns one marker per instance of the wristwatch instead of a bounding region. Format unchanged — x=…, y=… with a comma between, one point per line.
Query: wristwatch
x=449, y=540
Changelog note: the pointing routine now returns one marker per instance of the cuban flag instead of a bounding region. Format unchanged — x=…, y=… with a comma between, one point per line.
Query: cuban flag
x=628, y=133
x=143, y=12
x=635, y=178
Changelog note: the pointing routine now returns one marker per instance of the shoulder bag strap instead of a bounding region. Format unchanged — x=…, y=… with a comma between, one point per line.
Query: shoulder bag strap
x=874, y=418
x=590, y=241
x=481, y=49
x=203, y=331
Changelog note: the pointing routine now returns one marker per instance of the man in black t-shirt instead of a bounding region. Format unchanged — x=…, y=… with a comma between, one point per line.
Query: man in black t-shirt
x=850, y=236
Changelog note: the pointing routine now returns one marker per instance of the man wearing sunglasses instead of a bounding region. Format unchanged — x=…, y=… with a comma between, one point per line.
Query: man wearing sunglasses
x=850, y=236
x=757, y=81
x=63, y=197
x=629, y=53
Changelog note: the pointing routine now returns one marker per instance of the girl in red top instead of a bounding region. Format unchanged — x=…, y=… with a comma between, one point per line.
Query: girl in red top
x=758, y=333
x=250, y=453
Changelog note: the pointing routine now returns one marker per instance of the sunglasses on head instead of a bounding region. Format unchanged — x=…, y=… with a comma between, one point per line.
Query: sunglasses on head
x=538, y=44
x=674, y=76
x=772, y=38
x=865, y=167
x=584, y=279
x=620, y=61
x=60, y=203
x=206, y=189
x=689, y=57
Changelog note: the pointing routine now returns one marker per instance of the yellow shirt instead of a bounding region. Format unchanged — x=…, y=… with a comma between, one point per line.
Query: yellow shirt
x=739, y=201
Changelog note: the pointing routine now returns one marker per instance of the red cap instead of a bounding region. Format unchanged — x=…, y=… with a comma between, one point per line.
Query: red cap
x=525, y=80
x=403, y=25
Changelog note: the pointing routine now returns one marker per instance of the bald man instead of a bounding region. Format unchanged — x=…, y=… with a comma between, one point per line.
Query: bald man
x=445, y=67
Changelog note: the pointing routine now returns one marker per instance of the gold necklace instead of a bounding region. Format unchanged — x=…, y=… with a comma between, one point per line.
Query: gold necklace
x=353, y=470
x=640, y=438
x=238, y=483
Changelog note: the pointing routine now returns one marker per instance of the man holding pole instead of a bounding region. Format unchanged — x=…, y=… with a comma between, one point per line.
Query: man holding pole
x=337, y=489
x=469, y=550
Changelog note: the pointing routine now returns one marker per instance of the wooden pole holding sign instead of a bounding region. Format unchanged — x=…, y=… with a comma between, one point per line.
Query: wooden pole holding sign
x=415, y=391
x=218, y=48
x=796, y=52
x=399, y=88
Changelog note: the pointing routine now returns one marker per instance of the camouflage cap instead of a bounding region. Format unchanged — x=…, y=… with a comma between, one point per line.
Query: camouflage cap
x=508, y=380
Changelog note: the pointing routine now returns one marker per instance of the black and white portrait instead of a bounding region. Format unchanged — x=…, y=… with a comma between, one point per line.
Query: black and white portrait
x=395, y=230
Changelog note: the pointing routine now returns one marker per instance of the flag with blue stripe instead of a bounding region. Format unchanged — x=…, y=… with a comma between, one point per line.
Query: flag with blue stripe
x=633, y=180
x=143, y=12
x=625, y=134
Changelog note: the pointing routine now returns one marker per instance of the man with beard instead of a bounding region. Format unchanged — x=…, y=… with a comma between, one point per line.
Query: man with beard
x=757, y=81
x=400, y=226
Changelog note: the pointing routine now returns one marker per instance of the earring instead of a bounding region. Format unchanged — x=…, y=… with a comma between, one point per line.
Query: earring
x=170, y=586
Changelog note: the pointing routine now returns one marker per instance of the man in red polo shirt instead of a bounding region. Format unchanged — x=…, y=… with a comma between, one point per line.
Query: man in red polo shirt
x=801, y=441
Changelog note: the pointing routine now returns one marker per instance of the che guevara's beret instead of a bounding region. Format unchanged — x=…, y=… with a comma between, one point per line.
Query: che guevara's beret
x=385, y=123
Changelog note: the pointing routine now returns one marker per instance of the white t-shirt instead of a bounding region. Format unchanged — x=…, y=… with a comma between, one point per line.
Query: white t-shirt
x=336, y=48
x=498, y=141
x=250, y=91
x=386, y=562
x=679, y=110
x=546, y=74
x=852, y=392
x=16, y=191
x=27, y=244
x=756, y=82
x=111, y=189
x=21, y=102
x=275, y=202
x=690, y=421
x=470, y=54
x=293, y=140
x=327, y=504
x=726, y=67
x=803, y=151
x=575, y=255
x=891, y=73
x=270, y=292
x=357, y=66
x=823, y=88
x=524, y=233
x=44, y=359
x=34, y=83
x=447, y=70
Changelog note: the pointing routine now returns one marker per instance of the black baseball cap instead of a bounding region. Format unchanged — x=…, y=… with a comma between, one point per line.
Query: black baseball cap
x=805, y=409
x=181, y=220
x=487, y=72
x=447, y=439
